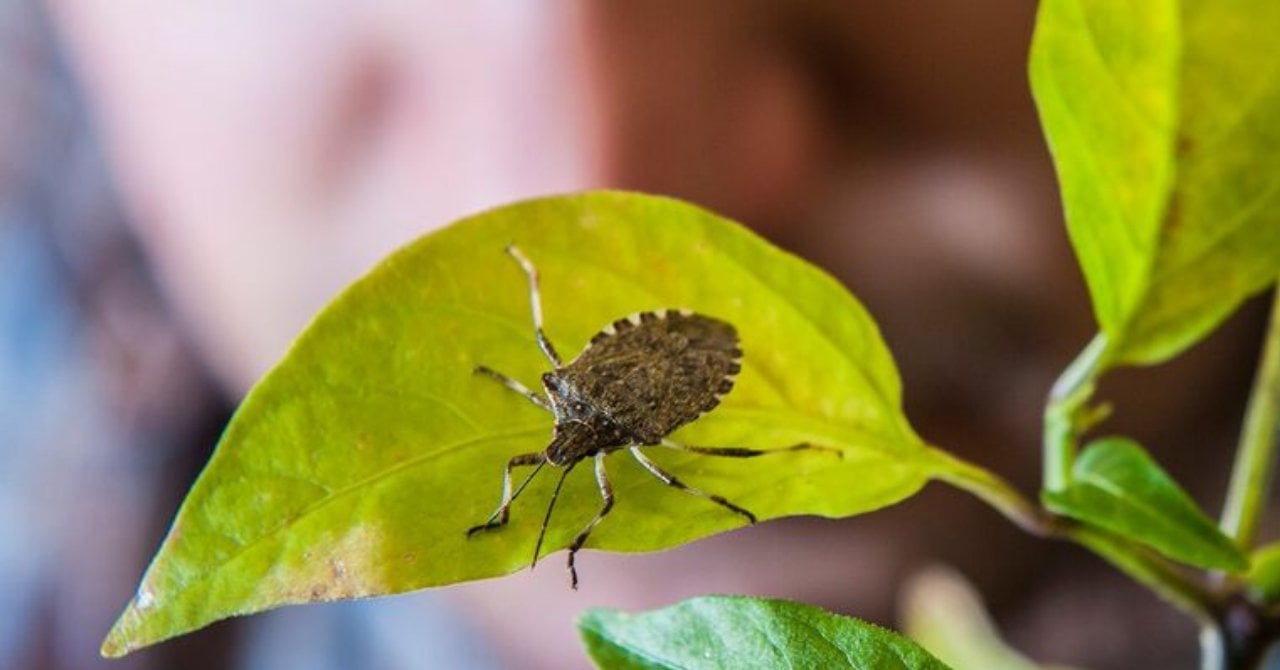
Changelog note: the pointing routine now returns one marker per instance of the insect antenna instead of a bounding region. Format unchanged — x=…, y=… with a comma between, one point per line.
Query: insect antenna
x=523, y=484
x=547, y=519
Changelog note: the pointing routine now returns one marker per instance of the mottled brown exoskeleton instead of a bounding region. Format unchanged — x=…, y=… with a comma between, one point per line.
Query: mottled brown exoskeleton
x=638, y=380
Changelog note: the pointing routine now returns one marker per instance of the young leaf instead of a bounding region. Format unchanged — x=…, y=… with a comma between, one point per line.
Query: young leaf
x=944, y=614
x=1117, y=486
x=1163, y=118
x=740, y=632
x=355, y=466
x=1263, y=580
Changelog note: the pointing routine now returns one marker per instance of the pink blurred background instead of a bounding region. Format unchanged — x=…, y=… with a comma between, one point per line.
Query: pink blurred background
x=182, y=186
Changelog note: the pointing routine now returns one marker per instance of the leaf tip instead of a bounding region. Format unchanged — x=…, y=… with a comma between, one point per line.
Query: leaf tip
x=122, y=639
x=115, y=645
x=1236, y=561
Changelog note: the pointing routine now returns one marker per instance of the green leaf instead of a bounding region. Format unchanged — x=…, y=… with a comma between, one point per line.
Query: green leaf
x=1163, y=118
x=1263, y=580
x=1117, y=486
x=355, y=466
x=740, y=632
x=944, y=614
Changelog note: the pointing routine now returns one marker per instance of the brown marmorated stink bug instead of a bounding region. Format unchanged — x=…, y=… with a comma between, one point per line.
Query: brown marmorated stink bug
x=638, y=380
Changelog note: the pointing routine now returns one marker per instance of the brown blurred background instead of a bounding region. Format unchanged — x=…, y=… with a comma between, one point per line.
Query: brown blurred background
x=182, y=186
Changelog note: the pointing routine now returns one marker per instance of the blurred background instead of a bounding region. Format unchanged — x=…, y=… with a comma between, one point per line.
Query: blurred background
x=183, y=185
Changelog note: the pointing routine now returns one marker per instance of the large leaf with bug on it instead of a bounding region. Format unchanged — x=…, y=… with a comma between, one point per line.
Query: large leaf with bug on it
x=1163, y=118
x=1119, y=487
x=715, y=632
x=355, y=466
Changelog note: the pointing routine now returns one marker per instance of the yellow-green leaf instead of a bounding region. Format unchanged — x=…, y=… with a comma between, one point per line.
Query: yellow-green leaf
x=355, y=466
x=1163, y=118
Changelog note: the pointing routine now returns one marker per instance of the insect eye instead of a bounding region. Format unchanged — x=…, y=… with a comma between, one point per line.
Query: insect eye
x=579, y=408
x=550, y=381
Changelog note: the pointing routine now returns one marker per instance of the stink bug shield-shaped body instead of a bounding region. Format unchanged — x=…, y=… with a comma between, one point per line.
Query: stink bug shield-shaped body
x=638, y=380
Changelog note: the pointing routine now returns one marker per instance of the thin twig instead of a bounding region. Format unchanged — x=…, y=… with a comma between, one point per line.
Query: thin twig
x=1255, y=456
x=1068, y=398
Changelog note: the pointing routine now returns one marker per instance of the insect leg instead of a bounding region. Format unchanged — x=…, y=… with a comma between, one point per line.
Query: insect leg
x=535, y=303
x=741, y=452
x=499, y=517
x=606, y=493
x=670, y=480
x=513, y=385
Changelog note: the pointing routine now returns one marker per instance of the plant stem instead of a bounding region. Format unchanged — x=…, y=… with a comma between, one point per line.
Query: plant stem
x=1070, y=394
x=1213, y=654
x=1240, y=639
x=998, y=493
x=1255, y=456
x=1166, y=580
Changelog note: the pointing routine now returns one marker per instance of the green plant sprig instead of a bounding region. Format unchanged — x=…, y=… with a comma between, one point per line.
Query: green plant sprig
x=1256, y=455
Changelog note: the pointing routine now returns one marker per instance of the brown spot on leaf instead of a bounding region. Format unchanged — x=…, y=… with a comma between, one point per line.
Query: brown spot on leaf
x=1183, y=146
x=341, y=565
